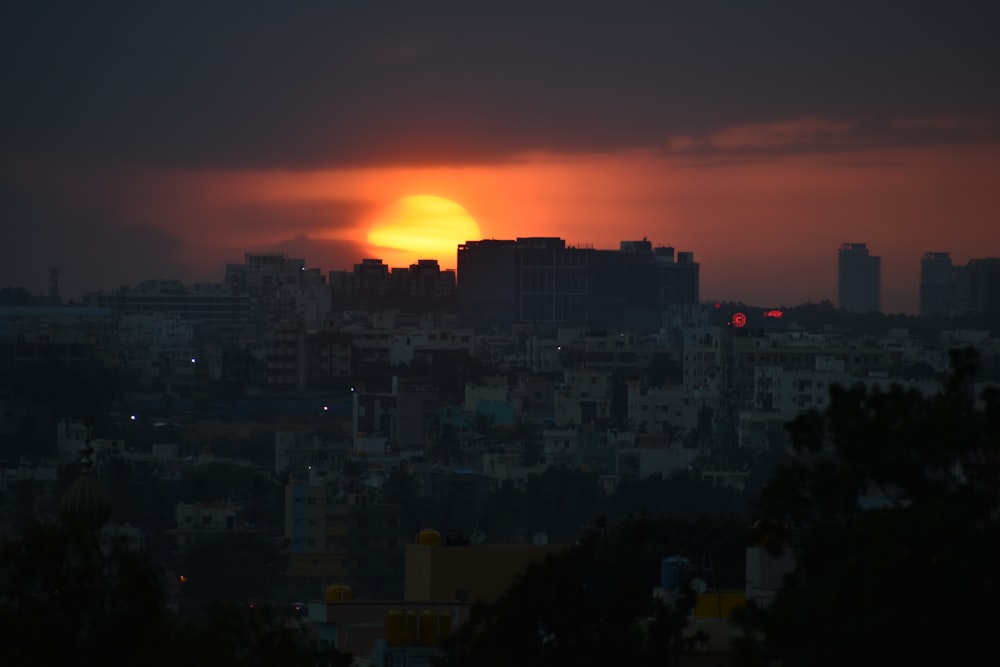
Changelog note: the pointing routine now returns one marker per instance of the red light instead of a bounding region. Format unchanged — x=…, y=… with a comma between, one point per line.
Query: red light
x=718, y=305
x=738, y=320
x=776, y=314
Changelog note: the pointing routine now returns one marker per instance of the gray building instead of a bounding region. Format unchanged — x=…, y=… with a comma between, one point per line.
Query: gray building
x=859, y=279
x=979, y=286
x=938, y=285
x=541, y=280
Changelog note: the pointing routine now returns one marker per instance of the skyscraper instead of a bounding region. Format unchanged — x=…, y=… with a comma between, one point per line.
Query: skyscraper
x=859, y=279
x=541, y=280
x=938, y=286
x=979, y=286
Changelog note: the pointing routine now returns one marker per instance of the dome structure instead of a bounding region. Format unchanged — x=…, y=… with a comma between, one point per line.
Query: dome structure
x=86, y=502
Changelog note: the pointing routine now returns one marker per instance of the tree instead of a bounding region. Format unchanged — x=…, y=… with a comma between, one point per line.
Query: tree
x=590, y=604
x=447, y=446
x=63, y=600
x=893, y=523
x=243, y=635
x=19, y=502
x=234, y=566
x=561, y=502
x=66, y=598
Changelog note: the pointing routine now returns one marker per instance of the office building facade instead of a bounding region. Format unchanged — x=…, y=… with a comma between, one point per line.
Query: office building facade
x=541, y=280
x=979, y=286
x=938, y=285
x=859, y=279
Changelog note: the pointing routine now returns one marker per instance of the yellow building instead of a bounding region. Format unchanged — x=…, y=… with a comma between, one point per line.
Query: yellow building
x=465, y=573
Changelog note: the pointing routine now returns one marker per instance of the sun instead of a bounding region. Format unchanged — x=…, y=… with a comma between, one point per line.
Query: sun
x=421, y=227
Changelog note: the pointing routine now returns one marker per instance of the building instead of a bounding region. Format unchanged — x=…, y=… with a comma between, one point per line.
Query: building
x=422, y=286
x=384, y=633
x=334, y=537
x=278, y=288
x=300, y=358
x=466, y=572
x=542, y=281
x=206, y=304
x=938, y=285
x=196, y=521
x=859, y=279
x=979, y=286
x=487, y=272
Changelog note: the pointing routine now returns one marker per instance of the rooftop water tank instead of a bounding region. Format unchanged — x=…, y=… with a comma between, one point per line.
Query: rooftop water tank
x=429, y=537
x=339, y=593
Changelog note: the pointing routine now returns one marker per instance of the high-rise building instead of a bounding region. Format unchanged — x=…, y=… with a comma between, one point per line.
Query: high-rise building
x=541, y=280
x=859, y=279
x=938, y=286
x=979, y=286
x=373, y=285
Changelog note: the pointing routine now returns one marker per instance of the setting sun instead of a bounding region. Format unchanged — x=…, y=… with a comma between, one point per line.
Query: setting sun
x=421, y=227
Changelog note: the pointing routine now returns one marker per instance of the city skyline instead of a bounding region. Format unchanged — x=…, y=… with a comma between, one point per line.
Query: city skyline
x=166, y=141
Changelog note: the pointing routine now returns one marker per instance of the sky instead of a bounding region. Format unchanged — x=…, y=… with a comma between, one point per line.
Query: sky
x=166, y=139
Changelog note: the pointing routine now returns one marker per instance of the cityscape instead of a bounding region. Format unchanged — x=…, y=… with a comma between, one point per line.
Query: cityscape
x=386, y=334
x=326, y=420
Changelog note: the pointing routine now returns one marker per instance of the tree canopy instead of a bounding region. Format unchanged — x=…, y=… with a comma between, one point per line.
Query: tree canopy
x=593, y=603
x=892, y=518
x=66, y=598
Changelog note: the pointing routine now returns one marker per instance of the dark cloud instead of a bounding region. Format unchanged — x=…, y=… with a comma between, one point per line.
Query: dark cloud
x=306, y=216
x=255, y=84
x=813, y=135
x=91, y=250
x=95, y=250
x=870, y=164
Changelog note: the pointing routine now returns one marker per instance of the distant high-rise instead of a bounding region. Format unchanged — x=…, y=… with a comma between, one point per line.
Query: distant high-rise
x=979, y=286
x=541, y=280
x=54, y=287
x=859, y=279
x=938, y=286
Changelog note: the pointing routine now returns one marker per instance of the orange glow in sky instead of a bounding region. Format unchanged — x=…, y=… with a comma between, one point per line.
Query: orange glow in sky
x=765, y=230
x=421, y=227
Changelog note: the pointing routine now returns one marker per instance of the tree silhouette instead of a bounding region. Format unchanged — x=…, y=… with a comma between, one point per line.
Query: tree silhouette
x=892, y=520
x=63, y=600
x=67, y=597
x=590, y=604
x=232, y=566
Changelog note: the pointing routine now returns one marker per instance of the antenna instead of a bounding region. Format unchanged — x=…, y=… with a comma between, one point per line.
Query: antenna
x=540, y=539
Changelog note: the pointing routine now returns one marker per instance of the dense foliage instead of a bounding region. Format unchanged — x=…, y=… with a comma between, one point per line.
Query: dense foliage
x=67, y=599
x=593, y=603
x=893, y=522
